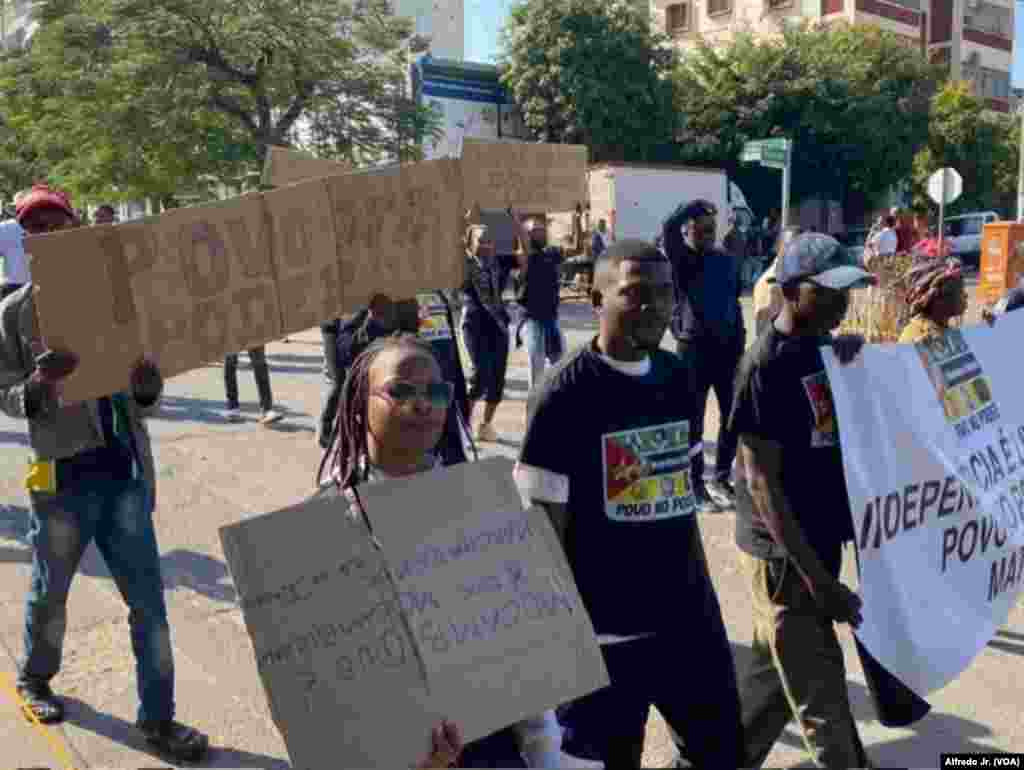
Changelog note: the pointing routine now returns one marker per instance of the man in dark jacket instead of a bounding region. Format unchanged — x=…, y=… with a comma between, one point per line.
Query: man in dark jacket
x=708, y=327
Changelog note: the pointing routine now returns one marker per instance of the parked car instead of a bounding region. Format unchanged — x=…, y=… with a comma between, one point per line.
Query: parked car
x=964, y=235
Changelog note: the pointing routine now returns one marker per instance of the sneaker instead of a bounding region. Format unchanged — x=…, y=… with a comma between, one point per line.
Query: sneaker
x=234, y=414
x=723, y=493
x=486, y=432
x=177, y=741
x=38, y=701
x=270, y=416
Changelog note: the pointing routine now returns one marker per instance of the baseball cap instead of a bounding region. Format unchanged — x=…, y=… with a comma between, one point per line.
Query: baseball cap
x=820, y=259
x=42, y=196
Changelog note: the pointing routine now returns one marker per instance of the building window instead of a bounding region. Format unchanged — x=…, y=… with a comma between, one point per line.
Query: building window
x=719, y=7
x=677, y=18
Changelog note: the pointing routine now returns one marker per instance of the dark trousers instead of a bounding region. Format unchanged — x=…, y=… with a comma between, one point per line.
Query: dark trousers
x=117, y=516
x=487, y=345
x=335, y=380
x=260, y=370
x=689, y=677
x=714, y=367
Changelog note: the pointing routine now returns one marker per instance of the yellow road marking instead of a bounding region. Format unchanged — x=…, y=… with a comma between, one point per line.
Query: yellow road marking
x=51, y=738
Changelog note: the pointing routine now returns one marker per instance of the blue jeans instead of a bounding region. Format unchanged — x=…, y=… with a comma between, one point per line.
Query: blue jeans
x=115, y=514
x=544, y=340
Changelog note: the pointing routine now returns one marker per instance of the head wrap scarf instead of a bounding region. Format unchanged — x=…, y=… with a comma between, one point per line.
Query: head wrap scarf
x=925, y=278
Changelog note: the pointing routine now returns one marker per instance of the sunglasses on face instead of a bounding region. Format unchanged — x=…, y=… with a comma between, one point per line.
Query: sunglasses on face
x=38, y=228
x=437, y=394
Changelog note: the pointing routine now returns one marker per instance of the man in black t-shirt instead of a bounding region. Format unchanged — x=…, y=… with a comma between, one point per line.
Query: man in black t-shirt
x=793, y=512
x=617, y=484
x=537, y=293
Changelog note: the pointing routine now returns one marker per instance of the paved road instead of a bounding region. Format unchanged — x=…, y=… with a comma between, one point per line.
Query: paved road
x=212, y=473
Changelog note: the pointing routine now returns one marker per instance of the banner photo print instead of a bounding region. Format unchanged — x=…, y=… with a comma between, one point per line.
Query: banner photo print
x=933, y=449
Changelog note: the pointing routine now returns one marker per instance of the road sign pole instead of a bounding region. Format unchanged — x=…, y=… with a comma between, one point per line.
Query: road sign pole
x=942, y=210
x=785, y=186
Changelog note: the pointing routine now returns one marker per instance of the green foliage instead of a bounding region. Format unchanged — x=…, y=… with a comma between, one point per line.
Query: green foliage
x=591, y=72
x=144, y=98
x=981, y=146
x=853, y=99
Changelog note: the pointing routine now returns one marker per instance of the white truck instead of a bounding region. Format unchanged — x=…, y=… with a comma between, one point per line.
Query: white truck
x=634, y=199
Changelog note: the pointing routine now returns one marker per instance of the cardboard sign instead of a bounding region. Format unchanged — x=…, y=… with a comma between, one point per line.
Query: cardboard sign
x=399, y=230
x=213, y=289
x=535, y=177
x=305, y=254
x=468, y=612
x=192, y=285
x=81, y=307
x=284, y=167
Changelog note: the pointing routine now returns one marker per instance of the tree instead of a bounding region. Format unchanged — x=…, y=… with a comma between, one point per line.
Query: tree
x=981, y=146
x=146, y=97
x=591, y=72
x=854, y=99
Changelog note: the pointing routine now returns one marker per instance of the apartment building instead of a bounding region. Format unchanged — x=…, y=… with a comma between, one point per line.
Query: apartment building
x=982, y=39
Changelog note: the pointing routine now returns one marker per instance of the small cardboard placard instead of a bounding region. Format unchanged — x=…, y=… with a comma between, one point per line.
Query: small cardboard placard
x=468, y=612
x=533, y=177
x=398, y=228
x=284, y=167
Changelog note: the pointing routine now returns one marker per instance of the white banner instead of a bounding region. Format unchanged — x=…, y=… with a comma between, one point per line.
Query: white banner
x=933, y=448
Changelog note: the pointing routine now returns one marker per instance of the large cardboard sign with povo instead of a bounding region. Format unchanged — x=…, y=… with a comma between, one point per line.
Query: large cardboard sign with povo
x=192, y=285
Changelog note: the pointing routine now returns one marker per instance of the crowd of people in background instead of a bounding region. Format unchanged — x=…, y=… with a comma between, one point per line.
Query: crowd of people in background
x=398, y=402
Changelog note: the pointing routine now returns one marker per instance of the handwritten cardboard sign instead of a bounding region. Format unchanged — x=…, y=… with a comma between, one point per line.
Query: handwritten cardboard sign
x=284, y=167
x=471, y=613
x=80, y=305
x=535, y=177
x=397, y=229
x=305, y=255
x=212, y=289
x=191, y=285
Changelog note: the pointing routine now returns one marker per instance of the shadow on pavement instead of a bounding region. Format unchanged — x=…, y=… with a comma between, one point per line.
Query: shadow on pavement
x=197, y=572
x=934, y=735
x=182, y=409
x=19, y=438
x=123, y=733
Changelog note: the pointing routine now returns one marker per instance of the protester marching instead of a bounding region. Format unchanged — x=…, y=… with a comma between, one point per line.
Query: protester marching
x=431, y=603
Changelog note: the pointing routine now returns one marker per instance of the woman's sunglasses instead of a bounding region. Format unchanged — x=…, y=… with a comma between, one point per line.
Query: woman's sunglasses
x=437, y=394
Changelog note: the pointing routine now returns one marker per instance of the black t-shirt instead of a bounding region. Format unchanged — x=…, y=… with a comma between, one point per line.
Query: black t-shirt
x=624, y=443
x=538, y=292
x=783, y=395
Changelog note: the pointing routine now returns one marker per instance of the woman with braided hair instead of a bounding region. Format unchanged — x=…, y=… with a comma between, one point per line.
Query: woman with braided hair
x=391, y=417
x=935, y=295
